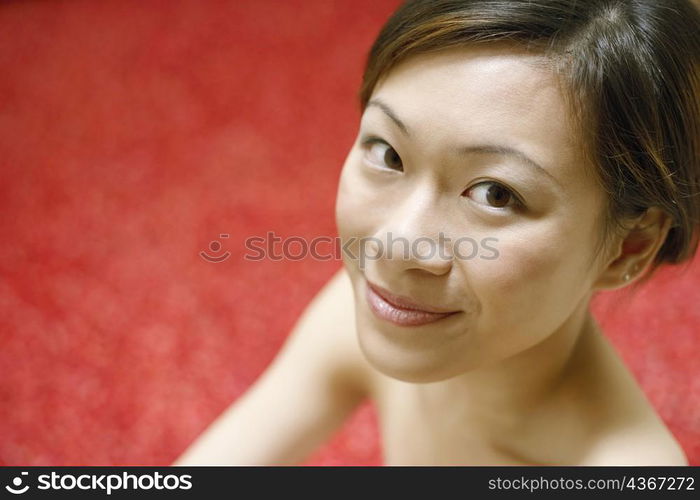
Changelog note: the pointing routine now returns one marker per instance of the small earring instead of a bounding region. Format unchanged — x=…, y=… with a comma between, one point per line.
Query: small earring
x=626, y=277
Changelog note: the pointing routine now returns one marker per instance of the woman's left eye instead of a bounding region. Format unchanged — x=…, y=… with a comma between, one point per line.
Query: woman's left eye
x=494, y=195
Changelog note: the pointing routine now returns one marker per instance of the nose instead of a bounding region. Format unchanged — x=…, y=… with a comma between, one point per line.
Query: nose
x=414, y=237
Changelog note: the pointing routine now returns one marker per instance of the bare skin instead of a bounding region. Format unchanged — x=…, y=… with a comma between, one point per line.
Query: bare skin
x=519, y=373
x=597, y=416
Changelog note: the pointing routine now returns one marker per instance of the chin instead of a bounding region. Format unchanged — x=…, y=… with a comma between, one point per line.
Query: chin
x=418, y=366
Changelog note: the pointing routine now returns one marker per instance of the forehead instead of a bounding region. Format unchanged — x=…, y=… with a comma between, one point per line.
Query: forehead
x=489, y=93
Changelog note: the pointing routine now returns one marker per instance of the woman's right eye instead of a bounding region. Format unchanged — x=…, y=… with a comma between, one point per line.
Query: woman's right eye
x=380, y=154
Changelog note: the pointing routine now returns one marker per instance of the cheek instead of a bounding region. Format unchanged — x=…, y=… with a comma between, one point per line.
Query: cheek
x=360, y=205
x=346, y=205
x=353, y=213
x=535, y=283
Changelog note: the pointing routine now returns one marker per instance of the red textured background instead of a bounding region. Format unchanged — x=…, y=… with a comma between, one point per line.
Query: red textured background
x=132, y=134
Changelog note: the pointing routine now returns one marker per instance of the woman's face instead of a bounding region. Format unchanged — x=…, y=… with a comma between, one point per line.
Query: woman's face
x=467, y=162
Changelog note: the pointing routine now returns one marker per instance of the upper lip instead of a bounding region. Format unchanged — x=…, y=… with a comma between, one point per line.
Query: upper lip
x=404, y=302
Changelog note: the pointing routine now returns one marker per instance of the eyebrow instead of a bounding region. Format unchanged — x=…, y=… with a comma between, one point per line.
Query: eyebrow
x=498, y=149
x=390, y=113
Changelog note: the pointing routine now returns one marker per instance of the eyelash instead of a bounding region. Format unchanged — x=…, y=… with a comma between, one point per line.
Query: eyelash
x=518, y=204
x=370, y=141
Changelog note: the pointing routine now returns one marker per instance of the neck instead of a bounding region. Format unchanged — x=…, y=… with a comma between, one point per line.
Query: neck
x=494, y=399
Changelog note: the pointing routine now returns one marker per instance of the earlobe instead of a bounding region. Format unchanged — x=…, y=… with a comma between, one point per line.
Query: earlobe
x=636, y=250
x=628, y=276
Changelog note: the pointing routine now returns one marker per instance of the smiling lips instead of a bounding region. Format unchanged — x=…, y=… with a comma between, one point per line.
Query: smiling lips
x=400, y=310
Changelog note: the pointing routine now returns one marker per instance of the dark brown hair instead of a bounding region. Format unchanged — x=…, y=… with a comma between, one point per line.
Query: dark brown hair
x=631, y=73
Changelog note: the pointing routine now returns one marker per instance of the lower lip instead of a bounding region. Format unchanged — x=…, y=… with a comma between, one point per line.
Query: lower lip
x=402, y=317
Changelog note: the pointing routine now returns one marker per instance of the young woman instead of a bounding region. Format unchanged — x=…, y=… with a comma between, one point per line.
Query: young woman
x=513, y=159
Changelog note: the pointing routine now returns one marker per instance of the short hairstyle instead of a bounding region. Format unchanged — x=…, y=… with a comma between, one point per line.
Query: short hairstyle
x=631, y=75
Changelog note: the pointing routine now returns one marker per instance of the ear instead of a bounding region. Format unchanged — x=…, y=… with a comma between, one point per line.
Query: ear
x=635, y=250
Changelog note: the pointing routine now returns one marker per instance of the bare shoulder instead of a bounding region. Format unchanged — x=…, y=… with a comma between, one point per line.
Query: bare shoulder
x=640, y=445
x=629, y=431
x=308, y=390
x=333, y=311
